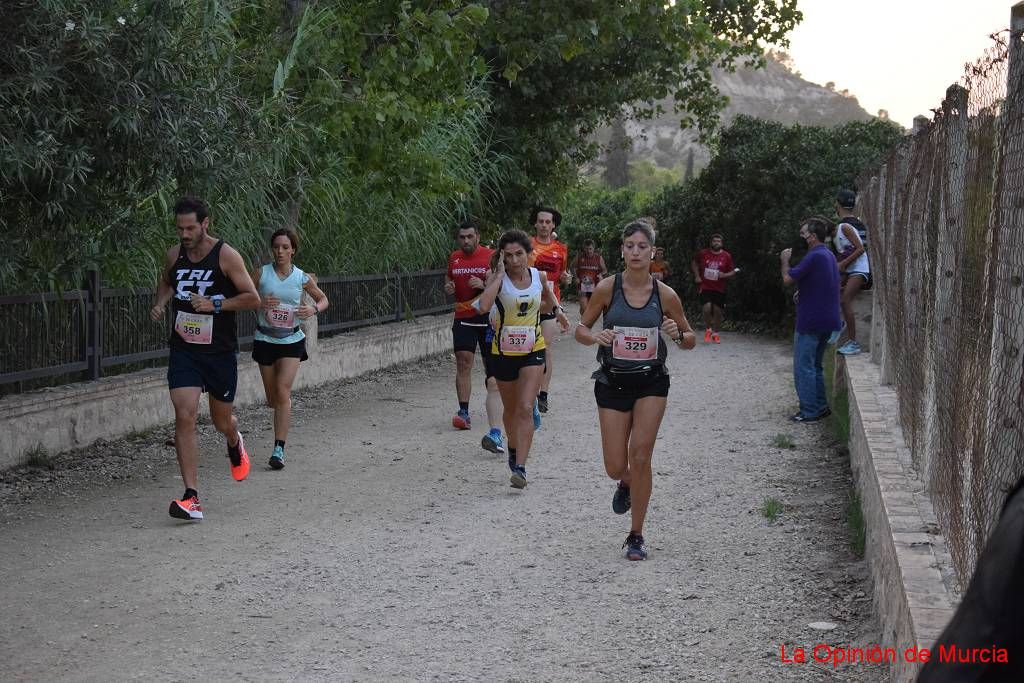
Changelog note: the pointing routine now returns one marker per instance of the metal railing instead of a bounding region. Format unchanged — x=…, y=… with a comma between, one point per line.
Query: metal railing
x=86, y=333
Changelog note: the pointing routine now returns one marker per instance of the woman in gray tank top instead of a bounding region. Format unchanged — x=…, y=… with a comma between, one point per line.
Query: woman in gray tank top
x=631, y=387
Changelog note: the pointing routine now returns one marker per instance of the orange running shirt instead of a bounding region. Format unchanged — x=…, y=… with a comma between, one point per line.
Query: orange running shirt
x=551, y=259
x=462, y=267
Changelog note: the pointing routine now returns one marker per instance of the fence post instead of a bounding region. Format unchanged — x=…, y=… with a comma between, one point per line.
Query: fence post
x=1004, y=426
x=94, y=325
x=399, y=303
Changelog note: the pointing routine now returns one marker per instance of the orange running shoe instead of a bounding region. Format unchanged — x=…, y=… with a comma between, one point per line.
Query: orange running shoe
x=240, y=470
x=461, y=420
x=715, y=338
x=707, y=336
x=187, y=509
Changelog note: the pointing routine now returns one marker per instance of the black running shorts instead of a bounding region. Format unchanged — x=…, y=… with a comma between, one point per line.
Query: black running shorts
x=622, y=392
x=216, y=373
x=713, y=298
x=266, y=353
x=470, y=333
x=506, y=368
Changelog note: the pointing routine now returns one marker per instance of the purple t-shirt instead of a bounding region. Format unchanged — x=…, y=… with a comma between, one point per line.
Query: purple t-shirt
x=817, y=281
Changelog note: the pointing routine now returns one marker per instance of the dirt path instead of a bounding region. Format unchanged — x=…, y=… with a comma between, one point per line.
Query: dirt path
x=392, y=548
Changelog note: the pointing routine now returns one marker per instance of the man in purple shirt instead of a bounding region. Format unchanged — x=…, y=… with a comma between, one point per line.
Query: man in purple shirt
x=817, y=316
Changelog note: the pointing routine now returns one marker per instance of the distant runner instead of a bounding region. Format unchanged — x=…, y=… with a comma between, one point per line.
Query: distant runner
x=279, y=344
x=852, y=242
x=468, y=266
x=589, y=268
x=660, y=269
x=517, y=296
x=711, y=268
x=551, y=257
x=208, y=283
x=632, y=384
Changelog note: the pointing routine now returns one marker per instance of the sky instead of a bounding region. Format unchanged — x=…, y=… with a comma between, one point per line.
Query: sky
x=898, y=55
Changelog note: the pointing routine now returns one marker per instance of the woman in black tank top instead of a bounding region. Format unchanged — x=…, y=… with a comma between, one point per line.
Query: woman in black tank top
x=641, y=316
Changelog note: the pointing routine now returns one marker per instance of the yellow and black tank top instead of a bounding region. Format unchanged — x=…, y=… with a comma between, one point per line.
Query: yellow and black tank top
x=516, y=318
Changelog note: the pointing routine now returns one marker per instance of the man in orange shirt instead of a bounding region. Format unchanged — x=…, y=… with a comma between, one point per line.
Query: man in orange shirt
x=552, y=257
x=659, y=266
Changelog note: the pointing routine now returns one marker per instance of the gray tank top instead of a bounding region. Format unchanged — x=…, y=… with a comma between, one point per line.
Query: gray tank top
x=638, y=343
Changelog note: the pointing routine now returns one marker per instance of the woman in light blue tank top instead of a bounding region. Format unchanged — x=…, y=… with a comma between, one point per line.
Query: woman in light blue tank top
x=279, y=344
x=631, y=386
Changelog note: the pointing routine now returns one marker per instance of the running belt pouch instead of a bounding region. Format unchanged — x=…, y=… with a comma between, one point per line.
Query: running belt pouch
x=277, y=332
x=624, y=377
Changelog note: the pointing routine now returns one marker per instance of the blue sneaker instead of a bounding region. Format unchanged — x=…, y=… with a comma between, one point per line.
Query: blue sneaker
x=635, y=548
x=536, y=417
x=518, y=478
x=277, y=458
x=493, y=441
x=850, y=348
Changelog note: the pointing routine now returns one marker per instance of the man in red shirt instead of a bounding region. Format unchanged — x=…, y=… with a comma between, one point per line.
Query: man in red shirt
x=552, y=257
x=467, y=269
x=711, y=268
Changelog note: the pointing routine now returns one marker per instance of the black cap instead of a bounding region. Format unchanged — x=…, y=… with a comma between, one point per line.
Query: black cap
x=847, y=199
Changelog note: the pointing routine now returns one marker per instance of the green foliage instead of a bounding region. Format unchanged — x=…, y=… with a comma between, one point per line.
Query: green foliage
x=598, y=213
x=561, y=69
x=784, y=441
x=762, y=181
x=772, y=508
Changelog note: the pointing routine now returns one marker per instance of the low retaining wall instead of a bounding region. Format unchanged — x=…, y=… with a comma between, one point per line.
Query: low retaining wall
x=905, y=550
x=76, y=415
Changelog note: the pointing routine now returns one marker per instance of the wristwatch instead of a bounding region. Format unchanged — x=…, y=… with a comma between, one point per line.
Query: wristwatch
x=217, y=304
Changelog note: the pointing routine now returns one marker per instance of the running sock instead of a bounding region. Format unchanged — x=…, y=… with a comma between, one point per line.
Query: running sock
x=189, y=493
x=464, y=406
x=279, y=442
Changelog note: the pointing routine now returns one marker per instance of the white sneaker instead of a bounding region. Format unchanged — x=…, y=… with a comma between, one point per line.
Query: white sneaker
x=850, y=348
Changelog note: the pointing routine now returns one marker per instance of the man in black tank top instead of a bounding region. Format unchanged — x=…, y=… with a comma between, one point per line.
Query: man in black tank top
x=206, y=282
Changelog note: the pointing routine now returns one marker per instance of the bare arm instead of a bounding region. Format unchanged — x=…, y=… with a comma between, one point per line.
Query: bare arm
x=247, y=298
x=695, y=267
x=319, y=298
x=164, y=288
x=599, y=301
x=675, y=324
x=784, y=258
x=604, y=269
x=550, y=303
x=858, y=247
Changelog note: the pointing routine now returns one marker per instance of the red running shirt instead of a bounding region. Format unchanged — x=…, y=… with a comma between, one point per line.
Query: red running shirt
x=550, y=258
x=462, y=267
x=709, y=265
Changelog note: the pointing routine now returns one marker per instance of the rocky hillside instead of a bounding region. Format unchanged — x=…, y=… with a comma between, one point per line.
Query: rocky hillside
x=775, y=92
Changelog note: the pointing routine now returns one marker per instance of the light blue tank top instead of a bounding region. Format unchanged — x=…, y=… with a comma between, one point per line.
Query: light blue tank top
x=280, y=326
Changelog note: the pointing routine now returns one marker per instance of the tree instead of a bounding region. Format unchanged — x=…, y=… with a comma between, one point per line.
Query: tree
x=616, y=164
x=688, y=173
x=561, y=69
x=763, y=179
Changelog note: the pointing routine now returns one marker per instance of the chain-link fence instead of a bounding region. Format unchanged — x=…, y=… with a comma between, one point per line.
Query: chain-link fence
x=946, y=211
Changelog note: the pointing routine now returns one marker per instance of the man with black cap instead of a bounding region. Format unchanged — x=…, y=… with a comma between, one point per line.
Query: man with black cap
x=552, y=257
x=851, y=244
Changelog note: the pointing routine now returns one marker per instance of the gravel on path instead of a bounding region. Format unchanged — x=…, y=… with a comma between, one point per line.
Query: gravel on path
x=391, y=547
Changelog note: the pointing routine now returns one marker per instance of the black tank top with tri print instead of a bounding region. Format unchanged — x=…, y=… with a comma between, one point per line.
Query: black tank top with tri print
x=201, y=332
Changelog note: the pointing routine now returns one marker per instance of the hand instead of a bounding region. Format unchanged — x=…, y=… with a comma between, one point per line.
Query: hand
x=270, y=302
x=605, y=337
x=474, y=282
x=499, y=268
x=201, y=304
x=786, y=254
x=563, y=321
x=566, y=278
x=156, y=313
x=669, y=327
x=449, y=287
x=306, y=311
